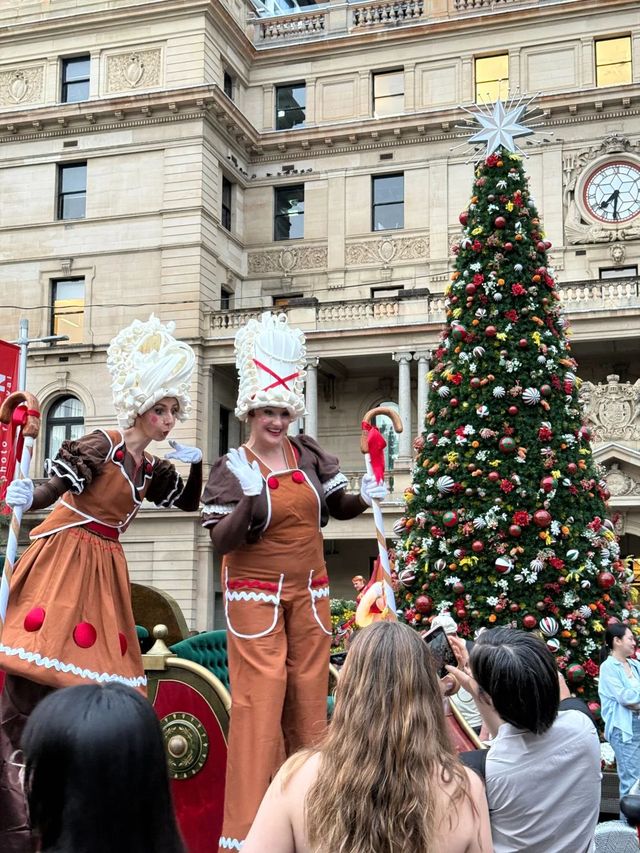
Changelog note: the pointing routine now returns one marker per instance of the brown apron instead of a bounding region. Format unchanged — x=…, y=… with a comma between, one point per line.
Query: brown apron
x=279, y=632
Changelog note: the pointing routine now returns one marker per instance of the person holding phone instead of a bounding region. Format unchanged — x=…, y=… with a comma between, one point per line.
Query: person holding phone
x=542, y=770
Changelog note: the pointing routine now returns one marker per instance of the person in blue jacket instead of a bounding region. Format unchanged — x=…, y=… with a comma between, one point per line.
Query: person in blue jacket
x=619, y=689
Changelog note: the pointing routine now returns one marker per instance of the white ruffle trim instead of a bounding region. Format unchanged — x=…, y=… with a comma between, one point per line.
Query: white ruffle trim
x=58, y=468
x=230, y=843
x=218, y=509
x=54, y=663
x=335, y=483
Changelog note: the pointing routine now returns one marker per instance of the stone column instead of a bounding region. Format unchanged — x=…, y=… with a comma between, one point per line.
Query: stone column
x=311, y=397
x=423, y=358
x=404, y=405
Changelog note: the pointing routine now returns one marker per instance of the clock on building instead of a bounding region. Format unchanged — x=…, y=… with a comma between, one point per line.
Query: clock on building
x=612, y=191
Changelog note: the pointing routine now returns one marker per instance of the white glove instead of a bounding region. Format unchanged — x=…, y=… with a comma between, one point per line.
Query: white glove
x=248, y=475
x=370, y=489
x=20, y=493
x=183, y=453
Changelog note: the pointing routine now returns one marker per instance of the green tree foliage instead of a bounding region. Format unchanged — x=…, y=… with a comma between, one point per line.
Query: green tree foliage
x=505, y=520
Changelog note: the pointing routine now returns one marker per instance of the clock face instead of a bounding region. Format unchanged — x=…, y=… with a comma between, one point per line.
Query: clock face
x=612, y=192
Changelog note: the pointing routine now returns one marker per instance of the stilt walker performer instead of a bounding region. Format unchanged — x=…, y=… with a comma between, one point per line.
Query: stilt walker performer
x=265, y=504
x=69, y=617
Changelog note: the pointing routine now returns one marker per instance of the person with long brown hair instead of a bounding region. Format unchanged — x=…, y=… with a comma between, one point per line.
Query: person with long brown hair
x=385, y=779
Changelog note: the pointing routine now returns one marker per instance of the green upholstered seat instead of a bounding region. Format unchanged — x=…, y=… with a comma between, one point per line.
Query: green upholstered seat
x=209, y=650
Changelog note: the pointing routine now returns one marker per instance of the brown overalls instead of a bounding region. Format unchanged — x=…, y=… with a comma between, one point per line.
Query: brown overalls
x=276, y=598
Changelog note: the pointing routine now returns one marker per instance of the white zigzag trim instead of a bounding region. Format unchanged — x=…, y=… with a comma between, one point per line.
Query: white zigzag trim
x=232, y=595
x=335, y=483
x=218, y=509
x=54, y=663
x=321, y=592
x=230, y=843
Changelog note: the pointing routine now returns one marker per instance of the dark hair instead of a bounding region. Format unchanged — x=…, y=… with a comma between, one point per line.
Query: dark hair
x=520, y=675
x=614, y=629
x=96, y=773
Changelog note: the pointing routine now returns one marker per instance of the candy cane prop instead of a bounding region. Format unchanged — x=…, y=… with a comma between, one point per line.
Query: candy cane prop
x=19, y=409
x=377, y=469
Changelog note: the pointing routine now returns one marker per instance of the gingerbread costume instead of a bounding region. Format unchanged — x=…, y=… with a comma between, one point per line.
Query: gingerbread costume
x=274, y=578
x=69, y=618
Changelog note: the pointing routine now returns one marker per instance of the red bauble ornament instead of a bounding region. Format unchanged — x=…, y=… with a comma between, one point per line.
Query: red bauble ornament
x=513, y=410
x=514, y=608
x=540, y=246
x=461, y=613
x=507, y=444
x=575, y=673
x=470, y=289
x=491, y=331
x=458, y=588
x=523, y=343
x=450, y=518
x=477, y=546
x=493, y=476
x=474, y=382
x=605, y=580
x=515, y=530
x=424, y=604
x=572, y=468
x=542, y=518
x=547, y=484
x=508, y=247
x=499, y=608
x=545, y=390
x=464, y=217
x=529, y=622
x=453, y=402
x=595, y=709
x=500, y=222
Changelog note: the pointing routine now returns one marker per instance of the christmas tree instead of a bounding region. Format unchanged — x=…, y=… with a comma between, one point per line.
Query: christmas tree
x=505, y=521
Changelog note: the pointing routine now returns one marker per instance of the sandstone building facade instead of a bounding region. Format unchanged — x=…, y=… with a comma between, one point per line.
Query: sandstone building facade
x=209, y=159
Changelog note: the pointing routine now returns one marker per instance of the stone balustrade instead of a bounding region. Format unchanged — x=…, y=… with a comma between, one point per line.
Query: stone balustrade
x=338, y=17
x=420, y=307
x=292, y=26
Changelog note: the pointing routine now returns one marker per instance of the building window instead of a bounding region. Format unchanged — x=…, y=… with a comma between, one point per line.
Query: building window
x=283, y=300
x=289, y=213
x=388, y=93
x=65, y=422
x=225, y=299
x=75, y=79
x=387, y=209
x=613, y=61
x=228, y=84
x=223, y=434
x=67, y=308
x=619, y=272
x=227, y=197
x=72, y=191
x=290, y=106
x=492, y=78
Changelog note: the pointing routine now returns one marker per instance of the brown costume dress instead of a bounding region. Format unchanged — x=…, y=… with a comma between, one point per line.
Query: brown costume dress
x=276, y=595
x=69, y=619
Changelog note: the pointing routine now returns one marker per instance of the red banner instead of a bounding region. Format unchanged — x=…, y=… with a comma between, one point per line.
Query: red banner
x=9, y=364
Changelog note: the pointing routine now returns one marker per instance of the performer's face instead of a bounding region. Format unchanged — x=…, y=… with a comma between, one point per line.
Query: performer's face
x=160, y=419
x=269, y=426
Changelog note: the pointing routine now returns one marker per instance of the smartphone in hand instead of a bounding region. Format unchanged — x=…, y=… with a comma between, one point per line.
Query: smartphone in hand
x=441, y=651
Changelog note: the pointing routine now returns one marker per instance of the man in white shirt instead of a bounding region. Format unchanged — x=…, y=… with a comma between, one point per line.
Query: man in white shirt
x=542, y=770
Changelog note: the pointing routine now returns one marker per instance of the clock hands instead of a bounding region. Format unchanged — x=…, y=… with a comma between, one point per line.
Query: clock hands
x=615, y=195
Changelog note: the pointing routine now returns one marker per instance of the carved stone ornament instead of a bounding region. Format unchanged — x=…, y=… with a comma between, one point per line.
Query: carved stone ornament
x=617, y=253
x=620, y=483
x=577, y=226
x=385, y=250
x=287, y=260
x=612, y=411
x=140, y=69
x=22, y=86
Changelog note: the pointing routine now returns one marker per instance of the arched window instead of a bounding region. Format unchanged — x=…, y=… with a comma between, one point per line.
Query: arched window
x=65, y=421
x=383, y=423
